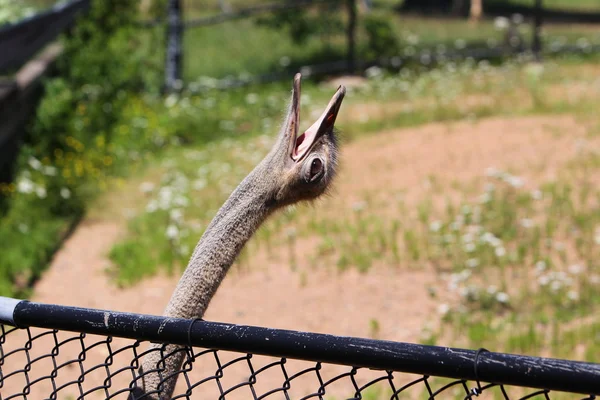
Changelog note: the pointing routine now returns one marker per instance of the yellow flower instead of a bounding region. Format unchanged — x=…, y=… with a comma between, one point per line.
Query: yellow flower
x=78, y=168
x=100, y=141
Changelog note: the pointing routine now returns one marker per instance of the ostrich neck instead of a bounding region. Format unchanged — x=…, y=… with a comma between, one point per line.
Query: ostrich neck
x=224, y=238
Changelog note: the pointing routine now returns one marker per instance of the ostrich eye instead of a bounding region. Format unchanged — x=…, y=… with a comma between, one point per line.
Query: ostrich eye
x=316, y=169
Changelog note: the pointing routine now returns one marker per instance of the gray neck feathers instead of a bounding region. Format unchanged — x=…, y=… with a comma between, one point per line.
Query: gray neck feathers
x=237, y=220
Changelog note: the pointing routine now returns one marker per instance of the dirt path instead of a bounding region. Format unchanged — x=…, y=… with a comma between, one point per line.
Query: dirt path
x=324, y=300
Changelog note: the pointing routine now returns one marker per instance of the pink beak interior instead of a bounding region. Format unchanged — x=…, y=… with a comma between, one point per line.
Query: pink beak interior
x=323, y=125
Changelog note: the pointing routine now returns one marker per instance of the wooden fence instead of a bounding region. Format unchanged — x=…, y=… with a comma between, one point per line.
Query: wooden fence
x=20, y=46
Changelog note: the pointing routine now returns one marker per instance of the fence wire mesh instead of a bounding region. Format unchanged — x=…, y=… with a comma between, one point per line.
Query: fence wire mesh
x=40, y=363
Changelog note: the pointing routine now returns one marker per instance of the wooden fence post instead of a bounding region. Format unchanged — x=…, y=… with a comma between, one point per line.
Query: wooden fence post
x=174, y=46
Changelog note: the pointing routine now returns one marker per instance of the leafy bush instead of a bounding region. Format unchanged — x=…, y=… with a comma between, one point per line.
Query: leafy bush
x=77, y=139
x=303, y=23
x=12, y=11
x=381, y=38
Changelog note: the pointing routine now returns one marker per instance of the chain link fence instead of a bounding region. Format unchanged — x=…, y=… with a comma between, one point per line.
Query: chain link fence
x=61, y=352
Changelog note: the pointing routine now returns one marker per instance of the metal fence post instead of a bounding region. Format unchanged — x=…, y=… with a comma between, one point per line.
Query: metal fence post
x=174, y=46
x=536, y=46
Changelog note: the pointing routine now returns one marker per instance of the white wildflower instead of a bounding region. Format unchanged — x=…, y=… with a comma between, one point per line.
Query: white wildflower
x=199, y=184
x=540, y=266
x=572, y=295
x=176, y=215
x=171, y=100
x=527, y=223
x=537, y=194
x=470, y=247
x=146, y=187
x=502, y=297
x=443, y=309
x=251, y=98
x=467, y=237
x=373, y=72
x=285, y=61
x=500, y=251
x=25, y=186
x=34, y=163
x=492, y=289
x=435, y=226
x=23, y=228
x=172, y=232
x=472, y=262
x=50, y=170
x=489, y=187
x=152, y=206
x=534, y=70
x=485, y=198
x=501, y=23
x=456, y=225
x=65, y=193
x=291, y=232
x=493, y=172
x=575, y=269
x=515, y=181
x=41, y=192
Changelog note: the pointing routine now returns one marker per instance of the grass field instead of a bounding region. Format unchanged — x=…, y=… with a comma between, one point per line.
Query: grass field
x=241, y=47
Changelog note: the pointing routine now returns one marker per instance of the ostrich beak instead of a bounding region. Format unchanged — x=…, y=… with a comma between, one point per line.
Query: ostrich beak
x=300, y=145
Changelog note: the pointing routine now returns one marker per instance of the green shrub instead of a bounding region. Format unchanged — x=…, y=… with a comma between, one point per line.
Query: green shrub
x=380, y=35
x=77, y=139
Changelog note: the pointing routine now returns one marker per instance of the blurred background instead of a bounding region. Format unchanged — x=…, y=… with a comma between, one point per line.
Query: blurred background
x=466, y=211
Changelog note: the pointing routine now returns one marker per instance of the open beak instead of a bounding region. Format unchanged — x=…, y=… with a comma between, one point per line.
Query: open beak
x=300, y=145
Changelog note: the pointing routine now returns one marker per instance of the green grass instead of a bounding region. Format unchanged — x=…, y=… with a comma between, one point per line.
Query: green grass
x=241, y=47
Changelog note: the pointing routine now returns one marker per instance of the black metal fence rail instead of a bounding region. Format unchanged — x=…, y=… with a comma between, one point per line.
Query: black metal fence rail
x=39, y=339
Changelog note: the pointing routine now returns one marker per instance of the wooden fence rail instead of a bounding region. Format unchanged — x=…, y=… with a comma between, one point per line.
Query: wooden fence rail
x=20, y=41
x=20, y=92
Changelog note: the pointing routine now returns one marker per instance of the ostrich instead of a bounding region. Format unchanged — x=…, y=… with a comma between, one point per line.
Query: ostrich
x=298, y=167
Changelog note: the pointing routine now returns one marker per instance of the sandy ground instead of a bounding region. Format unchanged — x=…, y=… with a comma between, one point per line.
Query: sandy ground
x=271, y=294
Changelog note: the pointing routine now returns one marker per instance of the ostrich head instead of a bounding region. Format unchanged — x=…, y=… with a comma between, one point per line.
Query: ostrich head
x=303, y=165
